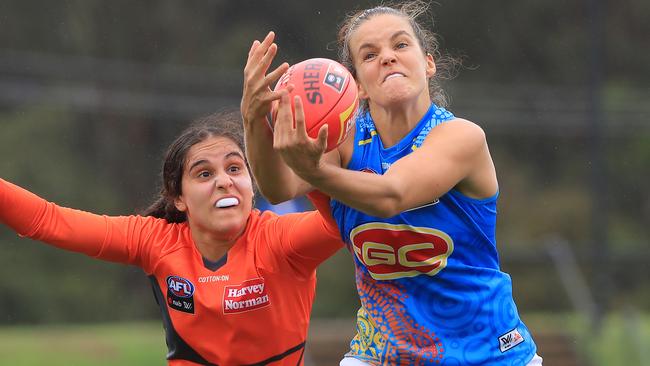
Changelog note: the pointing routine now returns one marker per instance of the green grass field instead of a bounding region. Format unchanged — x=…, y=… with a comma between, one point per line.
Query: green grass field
x=623, y=341
x=83, y=345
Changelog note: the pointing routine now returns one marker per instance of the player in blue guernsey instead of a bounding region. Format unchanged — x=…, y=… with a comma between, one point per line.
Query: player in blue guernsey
x=429, y=277
x=414, y=194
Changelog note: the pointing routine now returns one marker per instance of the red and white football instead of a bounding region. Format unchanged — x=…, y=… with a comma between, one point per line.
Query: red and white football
x=329, y=96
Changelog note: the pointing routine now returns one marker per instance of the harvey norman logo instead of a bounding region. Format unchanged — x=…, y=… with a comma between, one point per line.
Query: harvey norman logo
x=249, y=295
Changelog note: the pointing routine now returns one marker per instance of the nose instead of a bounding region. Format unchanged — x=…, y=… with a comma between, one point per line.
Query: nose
x=387, y=57
x=223, y=181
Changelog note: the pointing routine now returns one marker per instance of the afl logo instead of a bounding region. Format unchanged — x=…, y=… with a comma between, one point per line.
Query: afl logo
x=392, y=251
x=336, y=81
x=180, y=286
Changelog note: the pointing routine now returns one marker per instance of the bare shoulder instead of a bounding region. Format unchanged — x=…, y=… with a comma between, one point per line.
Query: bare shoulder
x=344, y=151
x=458, y=130
x=462, y=125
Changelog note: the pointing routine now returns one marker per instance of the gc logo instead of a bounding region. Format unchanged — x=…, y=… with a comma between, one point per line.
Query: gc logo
x=392, y=251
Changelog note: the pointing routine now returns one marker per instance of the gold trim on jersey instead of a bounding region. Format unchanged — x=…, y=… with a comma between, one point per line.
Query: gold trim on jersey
x=367, y=141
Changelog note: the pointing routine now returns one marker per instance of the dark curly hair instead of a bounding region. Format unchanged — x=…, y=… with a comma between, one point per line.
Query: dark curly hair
x=225, y=124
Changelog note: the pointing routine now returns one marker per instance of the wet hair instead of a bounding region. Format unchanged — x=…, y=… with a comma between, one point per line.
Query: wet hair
x=222, y=124
x=412, y=11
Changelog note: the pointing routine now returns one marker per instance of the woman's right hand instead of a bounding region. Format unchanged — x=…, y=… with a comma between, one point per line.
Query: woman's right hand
x=303, y=154
x=258, y=97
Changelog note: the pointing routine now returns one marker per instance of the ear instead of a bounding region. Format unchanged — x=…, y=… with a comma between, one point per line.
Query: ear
x=431, y=66
x=180, y=204
x=362, y=91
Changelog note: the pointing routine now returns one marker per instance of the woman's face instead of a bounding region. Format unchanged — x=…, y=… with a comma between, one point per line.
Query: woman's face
x=217, y=189
x=391, y=66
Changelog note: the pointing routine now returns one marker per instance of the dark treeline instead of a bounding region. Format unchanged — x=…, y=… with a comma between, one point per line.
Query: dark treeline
x=91, y=92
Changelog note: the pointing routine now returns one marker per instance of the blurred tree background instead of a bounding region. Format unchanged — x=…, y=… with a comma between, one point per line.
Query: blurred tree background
x=92, y=92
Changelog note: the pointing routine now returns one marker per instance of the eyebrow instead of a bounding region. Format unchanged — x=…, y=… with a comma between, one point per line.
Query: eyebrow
x=235, y=153
x=228, y=155
x=196, y=163
x=395, y=35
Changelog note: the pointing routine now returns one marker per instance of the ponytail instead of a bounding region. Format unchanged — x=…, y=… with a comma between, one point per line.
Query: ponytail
x=162, y=208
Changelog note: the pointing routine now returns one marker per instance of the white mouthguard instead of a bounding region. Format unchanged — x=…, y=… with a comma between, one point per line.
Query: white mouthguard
x=227, y=202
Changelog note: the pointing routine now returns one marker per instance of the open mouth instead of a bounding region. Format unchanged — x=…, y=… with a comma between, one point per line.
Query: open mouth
x=226, y=202
x=394, y=75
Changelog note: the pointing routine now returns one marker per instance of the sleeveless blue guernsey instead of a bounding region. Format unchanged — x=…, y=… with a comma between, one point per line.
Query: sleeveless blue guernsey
x=431, y=289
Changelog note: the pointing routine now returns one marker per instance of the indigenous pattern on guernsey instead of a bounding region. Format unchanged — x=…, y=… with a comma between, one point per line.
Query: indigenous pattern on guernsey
x=431, y=289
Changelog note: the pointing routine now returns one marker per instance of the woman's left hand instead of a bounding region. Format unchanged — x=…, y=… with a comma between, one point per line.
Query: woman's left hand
x=257, y=96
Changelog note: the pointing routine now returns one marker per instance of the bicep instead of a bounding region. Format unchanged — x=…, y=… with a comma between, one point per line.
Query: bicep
x=120, y=239
x=314, y=238
x=304, y=240
x=134, y=240
x=81, y=232
x=446, y=158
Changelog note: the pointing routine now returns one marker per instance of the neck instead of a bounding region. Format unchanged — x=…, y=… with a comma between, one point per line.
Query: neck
x=214, y=247
x=393, y=122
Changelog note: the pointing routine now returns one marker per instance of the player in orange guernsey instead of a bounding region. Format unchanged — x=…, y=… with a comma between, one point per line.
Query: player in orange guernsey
x=234, y=286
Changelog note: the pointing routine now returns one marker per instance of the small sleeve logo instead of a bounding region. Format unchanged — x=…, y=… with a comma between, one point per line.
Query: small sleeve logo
x=180, y=294
x=509, y=340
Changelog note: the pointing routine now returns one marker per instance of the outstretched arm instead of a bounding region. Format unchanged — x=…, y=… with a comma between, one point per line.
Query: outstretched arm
x=454, y=154
x=33, y=217
x=124, y=239
x=277, y=182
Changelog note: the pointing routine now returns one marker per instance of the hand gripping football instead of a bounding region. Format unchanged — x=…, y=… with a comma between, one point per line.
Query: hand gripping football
x=329, y=96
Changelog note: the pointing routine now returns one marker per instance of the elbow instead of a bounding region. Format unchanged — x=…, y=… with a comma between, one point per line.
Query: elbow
x=386, y=208
x=382, y=214
x=391, y=201
x=388, y=201
x=271, y=200
x=276, y=200
x=386, y=213
x=275, y=197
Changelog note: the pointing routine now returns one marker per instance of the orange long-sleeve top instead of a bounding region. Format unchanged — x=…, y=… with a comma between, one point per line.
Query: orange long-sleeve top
x=252, y=307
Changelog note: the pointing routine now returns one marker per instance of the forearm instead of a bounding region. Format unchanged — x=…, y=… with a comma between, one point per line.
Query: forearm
x=19, y=209
x=74, y=230
x=36, y=218
x=276, y=181
x=371, y=193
